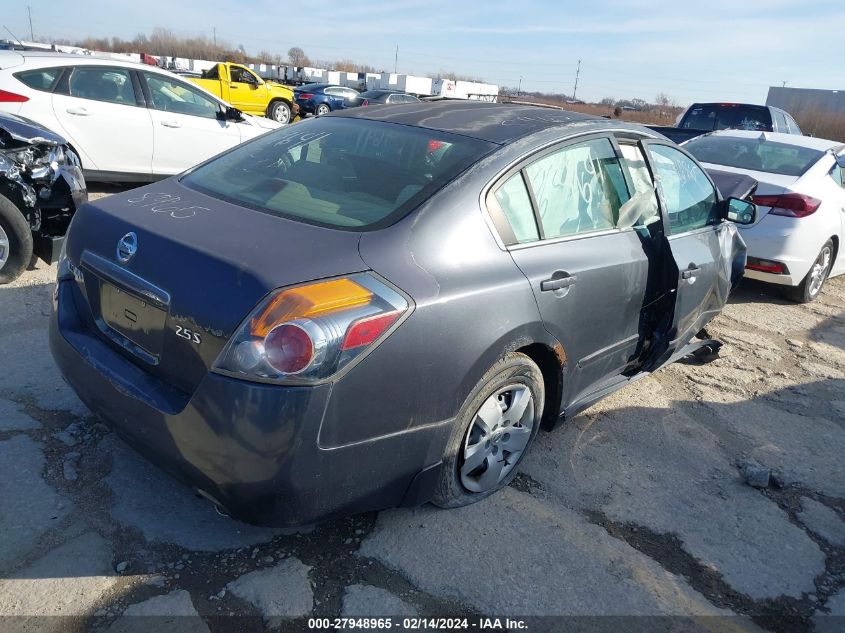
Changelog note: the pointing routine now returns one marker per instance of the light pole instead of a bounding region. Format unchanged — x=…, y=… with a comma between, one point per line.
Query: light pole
x=519, y=89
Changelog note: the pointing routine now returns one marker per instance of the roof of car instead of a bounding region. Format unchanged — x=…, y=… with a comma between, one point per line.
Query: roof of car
x=59, y=59
x=809, y=142
x=495, y=122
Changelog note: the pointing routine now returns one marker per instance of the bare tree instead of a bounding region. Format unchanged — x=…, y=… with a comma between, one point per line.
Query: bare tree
x=664, y=100
x=298, y=57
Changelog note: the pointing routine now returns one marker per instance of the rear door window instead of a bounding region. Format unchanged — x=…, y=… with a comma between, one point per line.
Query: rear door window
x=101, y=83
x=578, y=189
x=42, y=79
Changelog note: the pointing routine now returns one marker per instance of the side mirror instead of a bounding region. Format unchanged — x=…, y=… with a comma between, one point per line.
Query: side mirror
x=840, y=160
x=231, y=114
x=740, y=211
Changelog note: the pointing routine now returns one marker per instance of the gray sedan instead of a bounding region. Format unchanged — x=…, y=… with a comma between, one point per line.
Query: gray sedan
x=382, y=307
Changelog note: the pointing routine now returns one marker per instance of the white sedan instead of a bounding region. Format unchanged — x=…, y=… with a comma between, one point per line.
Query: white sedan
x=798, y=238
x=127, y=122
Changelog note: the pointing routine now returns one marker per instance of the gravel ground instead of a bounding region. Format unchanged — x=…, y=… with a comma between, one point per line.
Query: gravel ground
x=639, y=506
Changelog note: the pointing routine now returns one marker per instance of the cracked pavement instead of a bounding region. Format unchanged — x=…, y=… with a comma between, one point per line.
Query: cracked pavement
x=635, y=507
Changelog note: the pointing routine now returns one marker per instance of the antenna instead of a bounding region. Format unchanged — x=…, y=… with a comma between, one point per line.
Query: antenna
x=577, y=72
x=14, y=37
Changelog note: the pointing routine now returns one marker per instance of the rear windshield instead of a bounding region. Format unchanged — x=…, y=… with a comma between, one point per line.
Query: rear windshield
x=725, y=116
x=753, y=153
x=336, y=172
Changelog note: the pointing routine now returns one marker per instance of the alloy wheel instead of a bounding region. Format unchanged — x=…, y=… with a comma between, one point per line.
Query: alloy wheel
x=818, y=273
x=500, y=431
x=281, y=113
x=4, y=247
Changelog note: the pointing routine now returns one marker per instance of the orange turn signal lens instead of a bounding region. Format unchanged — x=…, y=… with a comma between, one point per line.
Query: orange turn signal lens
x=309, y=301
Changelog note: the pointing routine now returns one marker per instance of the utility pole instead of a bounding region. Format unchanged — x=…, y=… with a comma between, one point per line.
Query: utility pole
x=519, y=90
x=31, y=35
x=396, y=60
x=577, y=72
x=214, y=30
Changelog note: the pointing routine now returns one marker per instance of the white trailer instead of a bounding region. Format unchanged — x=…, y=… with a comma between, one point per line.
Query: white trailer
x=411, y=84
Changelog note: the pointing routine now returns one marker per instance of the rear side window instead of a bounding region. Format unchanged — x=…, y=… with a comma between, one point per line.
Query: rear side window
x=515, y=203
x=578, y=189
x=98, y=83
x=780, y=120
x=689, y=197
x=723, y=116
x=41, y=79
x=793, y=126
x=753, y=153
x=336, y=172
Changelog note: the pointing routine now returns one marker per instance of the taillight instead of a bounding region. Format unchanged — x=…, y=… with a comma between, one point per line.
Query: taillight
x=305, y=95
x=12, y=97
x=434, y=145
x=765, y=266
x=309, y=333
x=366, y=103
x=793, y=205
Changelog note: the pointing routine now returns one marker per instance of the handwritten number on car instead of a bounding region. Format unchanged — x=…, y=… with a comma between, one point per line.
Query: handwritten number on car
x=188, y=335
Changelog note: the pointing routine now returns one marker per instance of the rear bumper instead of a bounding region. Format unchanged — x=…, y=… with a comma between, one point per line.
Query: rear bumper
x=781, y=239
x=252, y=448
x=306, y=107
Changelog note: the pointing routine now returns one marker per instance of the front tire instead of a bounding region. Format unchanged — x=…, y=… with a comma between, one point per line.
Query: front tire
x=492, y=433
x=15, y=241
x=322, y=109
x=279, y=112
x=811, y=286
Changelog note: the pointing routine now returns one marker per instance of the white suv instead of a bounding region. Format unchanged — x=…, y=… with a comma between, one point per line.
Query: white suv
x=126, y=121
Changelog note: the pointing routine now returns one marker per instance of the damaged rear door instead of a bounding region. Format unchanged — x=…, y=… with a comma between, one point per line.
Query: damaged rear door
x=704, y=249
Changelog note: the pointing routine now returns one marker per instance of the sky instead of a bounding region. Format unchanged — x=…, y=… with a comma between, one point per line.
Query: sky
x=710, y=50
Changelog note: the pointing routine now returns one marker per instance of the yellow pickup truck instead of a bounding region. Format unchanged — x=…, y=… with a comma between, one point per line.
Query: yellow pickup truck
x=249, y=93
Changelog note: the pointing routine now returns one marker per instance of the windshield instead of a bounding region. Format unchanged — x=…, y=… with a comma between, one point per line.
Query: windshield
x=338, y=172
x=724, y=116
x=754, y=154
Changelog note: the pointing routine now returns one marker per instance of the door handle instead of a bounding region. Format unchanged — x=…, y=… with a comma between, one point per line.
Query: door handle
x=78, y=111
x=690, y=272
x=231, y=87
x=558, y=283
x=171, y=124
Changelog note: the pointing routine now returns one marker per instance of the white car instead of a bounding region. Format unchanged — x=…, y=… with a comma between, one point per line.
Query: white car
x=127, y=122
x=797, y=240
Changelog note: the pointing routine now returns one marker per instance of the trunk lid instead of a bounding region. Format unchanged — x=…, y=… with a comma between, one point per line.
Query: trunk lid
x=767, y=184
x=199, y=266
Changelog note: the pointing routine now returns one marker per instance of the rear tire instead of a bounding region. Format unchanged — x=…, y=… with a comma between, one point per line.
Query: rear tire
x=483, y=453
x=279, y=111
x=15, y=241
x=811, y=286
x=322, y=109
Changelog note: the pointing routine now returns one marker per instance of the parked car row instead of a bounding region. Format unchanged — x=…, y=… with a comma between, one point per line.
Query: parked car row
x=319, y=99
